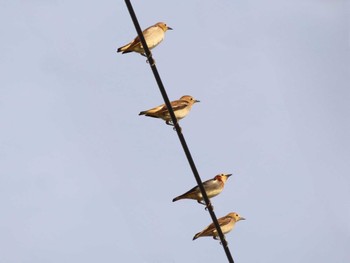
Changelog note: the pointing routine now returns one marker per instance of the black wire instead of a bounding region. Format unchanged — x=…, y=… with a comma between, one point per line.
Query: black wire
x=178, y=130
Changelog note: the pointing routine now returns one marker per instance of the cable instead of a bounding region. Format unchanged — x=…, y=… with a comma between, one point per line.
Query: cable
x=178, y=130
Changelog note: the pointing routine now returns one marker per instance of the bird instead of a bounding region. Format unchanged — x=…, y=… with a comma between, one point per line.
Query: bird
x=212, y=187
x=226, y=224
x=181, y=108
x=153, y=36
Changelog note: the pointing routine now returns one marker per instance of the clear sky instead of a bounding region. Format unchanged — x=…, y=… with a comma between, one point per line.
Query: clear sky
x=83, y=178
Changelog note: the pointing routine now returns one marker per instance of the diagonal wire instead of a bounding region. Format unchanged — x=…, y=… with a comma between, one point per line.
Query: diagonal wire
x=178, y=130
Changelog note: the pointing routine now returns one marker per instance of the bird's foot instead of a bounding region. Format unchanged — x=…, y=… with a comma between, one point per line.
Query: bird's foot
x=177, y=124
x=149, y=59
x=210, y=206
x=153, y=62
x=170, y=123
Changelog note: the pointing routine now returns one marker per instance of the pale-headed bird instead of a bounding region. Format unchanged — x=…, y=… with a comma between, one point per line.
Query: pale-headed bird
x=212, y=187
x=153, y=36
x=181, y=108
x=226, y=224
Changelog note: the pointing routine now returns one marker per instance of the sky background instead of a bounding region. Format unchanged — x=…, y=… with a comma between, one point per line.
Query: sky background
x=83, y=178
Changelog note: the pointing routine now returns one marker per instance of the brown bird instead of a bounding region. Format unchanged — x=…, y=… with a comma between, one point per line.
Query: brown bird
x=226, y=224
x=181, y=108
x=212, y=187
x=153, y=36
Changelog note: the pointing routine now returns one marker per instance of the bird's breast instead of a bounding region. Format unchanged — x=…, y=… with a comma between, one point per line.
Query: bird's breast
x=180, y=114
x=154, y=37
x=211, y=192
x=228, y=227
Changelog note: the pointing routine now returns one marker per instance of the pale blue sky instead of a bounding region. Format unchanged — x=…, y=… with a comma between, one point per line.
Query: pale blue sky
x=83, y=178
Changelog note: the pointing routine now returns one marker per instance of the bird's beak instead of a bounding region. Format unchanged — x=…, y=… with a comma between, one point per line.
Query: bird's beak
x=228, y=175
x=241, y=218
x=169, y=28
x=197, y=101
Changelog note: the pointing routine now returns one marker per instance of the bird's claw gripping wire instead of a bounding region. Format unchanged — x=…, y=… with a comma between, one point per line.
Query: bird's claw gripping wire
x=153, y=63
x=218, y=238
x=177, y=125
x=170, y=123
x=209, y=206
x=149, y=58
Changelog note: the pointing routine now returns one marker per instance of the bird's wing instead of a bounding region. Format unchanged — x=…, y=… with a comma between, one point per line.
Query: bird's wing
x=146, y=34
x=162, y=109
x=208, y=230
x=179, y=104
x=194, y=189
x=222, y=221
x=155, y=109
x=176, y=105
x=134, y=43
x=209, y=182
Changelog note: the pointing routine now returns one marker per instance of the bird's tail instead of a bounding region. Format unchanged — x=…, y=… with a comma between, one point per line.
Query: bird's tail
x=146, y=113
x=178, y=198
x=197, y=236
x=123, y=49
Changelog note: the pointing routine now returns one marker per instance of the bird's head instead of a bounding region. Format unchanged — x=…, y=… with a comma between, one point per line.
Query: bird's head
x=163, y=26
x=222, y=177
x=235, y=216
x=189, y=99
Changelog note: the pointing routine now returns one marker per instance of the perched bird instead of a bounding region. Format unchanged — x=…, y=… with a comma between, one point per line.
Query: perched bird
x=153, y=36
x=181, y=108
x=226, y=224
x=212, y=187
